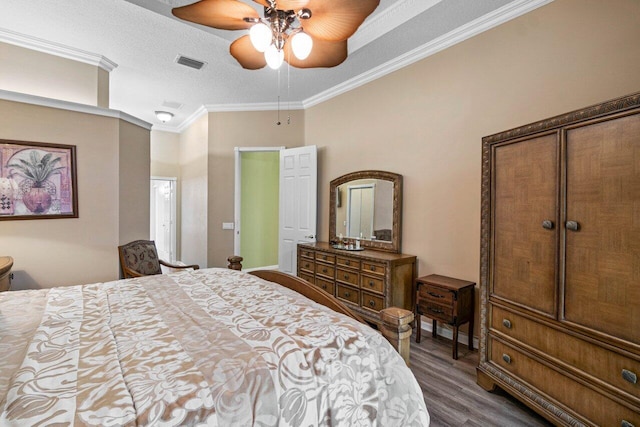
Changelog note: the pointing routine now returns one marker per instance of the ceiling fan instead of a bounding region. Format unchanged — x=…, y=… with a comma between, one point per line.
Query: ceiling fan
x=304, y=33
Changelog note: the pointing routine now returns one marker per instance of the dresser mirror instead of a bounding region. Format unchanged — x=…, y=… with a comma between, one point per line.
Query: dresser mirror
x=366, y=206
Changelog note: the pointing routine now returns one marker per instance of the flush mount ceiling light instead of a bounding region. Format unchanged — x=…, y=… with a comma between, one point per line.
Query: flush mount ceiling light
x=304, y=33
x=164, y=116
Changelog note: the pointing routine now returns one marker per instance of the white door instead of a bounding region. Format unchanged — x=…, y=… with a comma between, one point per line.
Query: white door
x=162, y=221
x=298, y=203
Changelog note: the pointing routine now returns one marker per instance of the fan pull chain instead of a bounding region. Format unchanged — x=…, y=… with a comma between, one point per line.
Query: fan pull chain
x=278, y=122
x=289, y=91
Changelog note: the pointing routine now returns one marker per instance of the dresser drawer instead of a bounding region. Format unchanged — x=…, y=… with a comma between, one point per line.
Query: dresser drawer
x=328, y=258
x=436, y=311
x=611, y=367
x=375, y=268
x=306, y=253
x=374, y=284
x=348, y=294
x=349, y=277
x=372, y=302
x=595, y=407
x=348, y=262
x=325, y=270
x=325, y=285
x=306, y=265
x=307, y=277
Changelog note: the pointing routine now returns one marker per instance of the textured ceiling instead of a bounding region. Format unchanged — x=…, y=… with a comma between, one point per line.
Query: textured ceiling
x=144, y=39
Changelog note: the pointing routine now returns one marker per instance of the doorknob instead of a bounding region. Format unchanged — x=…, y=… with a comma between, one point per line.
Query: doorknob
x=311, y=236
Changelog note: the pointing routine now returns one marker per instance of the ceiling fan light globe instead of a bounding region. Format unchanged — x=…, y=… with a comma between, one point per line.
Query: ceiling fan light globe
x=164, y=116
x=274, y=57
x=301, y=44
x=260, y=35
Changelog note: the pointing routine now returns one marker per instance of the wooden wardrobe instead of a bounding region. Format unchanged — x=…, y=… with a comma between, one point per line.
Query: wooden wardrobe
x=560, y=265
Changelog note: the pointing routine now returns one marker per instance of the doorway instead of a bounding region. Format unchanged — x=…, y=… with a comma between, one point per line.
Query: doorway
x=163, y=216
x=256, y=206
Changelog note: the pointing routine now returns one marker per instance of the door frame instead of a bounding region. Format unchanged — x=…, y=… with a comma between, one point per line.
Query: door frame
x=237, y=191
x=174, y=219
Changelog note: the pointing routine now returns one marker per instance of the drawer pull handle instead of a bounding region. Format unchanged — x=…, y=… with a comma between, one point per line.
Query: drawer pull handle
x=433, y=294
x=506, y=323
x=573, y=225
x=371, y=283
x=324, y=257
x=347, y=263
x=506, y=358
x=626, y=423
x=324, y=270
x=324, y=287
x=547, y=224
x=435, y=310
x=347, y=294
x=346, y=277
x=373, y=268
x=629, y=376
x=372, y=303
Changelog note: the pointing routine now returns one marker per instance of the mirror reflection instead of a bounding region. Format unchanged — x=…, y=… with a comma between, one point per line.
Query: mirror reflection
x=364, y=209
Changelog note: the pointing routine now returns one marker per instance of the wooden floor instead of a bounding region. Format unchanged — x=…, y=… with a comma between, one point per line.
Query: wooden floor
x=450, y=391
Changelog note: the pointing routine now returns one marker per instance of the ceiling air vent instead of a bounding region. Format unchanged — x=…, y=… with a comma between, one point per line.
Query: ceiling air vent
x=190, y=62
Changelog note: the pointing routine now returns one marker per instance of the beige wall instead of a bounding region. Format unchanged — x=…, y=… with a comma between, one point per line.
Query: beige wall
x=426, y=121
x=52, y=252
x=165, y=154
x=193, y=189
x=37, y=73
x=227, y=131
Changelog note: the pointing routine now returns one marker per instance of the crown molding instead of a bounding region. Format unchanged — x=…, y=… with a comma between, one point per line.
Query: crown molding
x=71, y=106
x=266, y=106
x=473, y=28
x=57, y=49
x=389, y=19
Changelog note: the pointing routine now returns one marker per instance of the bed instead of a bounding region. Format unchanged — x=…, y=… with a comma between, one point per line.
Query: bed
x=212, y=347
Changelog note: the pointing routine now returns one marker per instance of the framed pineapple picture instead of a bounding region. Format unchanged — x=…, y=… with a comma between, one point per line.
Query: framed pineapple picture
x=37, y=180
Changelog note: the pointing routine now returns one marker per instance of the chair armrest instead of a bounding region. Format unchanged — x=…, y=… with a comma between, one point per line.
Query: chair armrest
x=129, y=273
x=167, y=264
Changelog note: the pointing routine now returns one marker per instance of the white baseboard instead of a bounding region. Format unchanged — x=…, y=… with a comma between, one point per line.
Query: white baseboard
x=447, y=332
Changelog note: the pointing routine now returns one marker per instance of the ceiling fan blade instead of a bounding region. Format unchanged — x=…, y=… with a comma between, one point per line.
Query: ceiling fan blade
x=324, y=54
x=246, y=54
x=335, y=20
x=221, y=14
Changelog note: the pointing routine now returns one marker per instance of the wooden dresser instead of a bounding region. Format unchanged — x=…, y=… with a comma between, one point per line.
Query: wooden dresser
x=6, y=262
x=367, y=281
x=560, y=265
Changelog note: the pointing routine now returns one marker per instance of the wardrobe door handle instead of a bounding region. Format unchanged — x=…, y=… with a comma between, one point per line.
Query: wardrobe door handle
x=547, y=224
x=573, y=225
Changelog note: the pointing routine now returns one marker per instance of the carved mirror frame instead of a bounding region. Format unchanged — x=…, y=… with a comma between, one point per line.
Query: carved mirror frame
x=396, y=229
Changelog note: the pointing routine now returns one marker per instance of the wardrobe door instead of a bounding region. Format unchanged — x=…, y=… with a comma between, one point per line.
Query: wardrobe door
x=602, y=282
x=525, y=212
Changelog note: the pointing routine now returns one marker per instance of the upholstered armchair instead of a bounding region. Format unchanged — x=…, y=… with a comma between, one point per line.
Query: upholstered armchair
x=140, y=258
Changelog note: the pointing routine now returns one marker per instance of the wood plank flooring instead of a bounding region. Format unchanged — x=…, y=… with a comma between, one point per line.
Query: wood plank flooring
x=452, y=396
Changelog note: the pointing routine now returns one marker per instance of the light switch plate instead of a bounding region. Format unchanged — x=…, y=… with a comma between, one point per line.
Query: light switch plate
x=227, y=226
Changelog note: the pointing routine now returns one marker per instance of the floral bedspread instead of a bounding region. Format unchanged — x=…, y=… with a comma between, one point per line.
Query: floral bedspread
x=210, y=347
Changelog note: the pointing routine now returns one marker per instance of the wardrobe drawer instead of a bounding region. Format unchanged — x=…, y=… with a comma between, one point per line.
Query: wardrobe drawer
x=593, y=406
x=372, y=302
x=325, y=285
x=375, y=268
x=306, y=265
x=328, y=258
x=347, y=276
x=325, y=270
x=348, y=262
x=611, y=367
x=348, y=294
x=435, y=294
x=375, y=284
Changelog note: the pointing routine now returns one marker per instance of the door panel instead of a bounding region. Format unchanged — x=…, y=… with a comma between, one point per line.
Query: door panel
x=526, y=187
x=298, y=203
x=602, y=288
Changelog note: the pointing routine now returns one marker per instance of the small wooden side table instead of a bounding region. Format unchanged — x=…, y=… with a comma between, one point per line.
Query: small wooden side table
x=6, y=262
x=448, y=300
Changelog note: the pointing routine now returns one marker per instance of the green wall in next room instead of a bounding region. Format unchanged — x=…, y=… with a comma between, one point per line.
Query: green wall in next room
x=259, y=208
